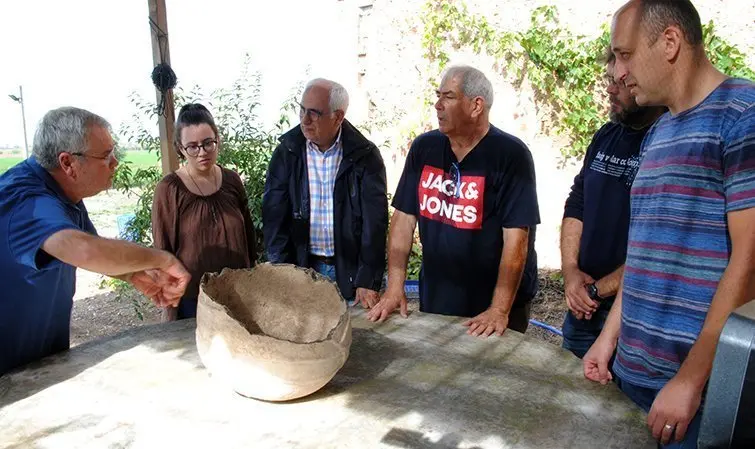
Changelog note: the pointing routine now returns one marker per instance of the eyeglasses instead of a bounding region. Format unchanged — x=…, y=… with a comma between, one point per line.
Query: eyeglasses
x=209, y=146
x=314, y=114
x=109, y=156
x=456, y=178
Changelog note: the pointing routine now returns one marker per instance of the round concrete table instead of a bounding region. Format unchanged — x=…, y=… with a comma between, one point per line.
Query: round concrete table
x=412, y=383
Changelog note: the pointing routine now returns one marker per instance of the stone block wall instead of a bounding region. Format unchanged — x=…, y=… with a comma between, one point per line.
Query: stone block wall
x=392, y=88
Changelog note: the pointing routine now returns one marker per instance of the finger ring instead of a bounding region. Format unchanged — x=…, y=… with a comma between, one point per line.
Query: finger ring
x=668, y=427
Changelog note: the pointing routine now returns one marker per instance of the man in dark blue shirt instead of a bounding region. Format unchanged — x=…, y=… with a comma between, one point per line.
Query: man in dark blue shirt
x=46, y=234
x=471, y=188
x=595, y=227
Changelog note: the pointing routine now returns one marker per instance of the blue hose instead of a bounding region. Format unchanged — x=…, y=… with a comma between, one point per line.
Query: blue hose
x=547, y=327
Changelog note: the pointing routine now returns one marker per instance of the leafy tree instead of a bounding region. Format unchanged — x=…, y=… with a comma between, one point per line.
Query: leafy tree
x=245, y=145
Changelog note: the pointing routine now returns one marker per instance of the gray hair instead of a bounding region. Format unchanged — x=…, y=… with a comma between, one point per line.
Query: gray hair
x=338, y=98
x=473, y=82
x=63, y=130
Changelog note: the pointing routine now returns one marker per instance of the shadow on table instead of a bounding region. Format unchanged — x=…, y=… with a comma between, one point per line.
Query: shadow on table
x=448, y=385
x=409, y=439
x=77, y=425
x=49, y=371
x=378, y=352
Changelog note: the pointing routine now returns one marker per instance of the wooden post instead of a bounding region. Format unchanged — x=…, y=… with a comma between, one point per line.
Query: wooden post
x=160, y=48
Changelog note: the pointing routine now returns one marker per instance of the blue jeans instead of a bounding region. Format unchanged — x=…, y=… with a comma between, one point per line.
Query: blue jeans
x=644, y=397
x=579, y=335
x=329, y=271
x=187, y=308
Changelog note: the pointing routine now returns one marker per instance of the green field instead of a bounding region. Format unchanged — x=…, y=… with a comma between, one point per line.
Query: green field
x=8, y=162
x=138, y=159
x=141, y=159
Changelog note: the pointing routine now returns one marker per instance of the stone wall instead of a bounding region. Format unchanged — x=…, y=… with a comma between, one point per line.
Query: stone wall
x=392, y=87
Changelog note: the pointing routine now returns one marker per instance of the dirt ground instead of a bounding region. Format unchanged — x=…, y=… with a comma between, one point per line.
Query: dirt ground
x=99, y=310
x=549, y=306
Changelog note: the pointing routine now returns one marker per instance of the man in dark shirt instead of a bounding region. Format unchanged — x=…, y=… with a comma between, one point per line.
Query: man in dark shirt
x=471, y=188
x=596, y=217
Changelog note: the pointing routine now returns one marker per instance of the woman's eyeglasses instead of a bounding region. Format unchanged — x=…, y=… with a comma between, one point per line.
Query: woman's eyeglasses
x=209, y=146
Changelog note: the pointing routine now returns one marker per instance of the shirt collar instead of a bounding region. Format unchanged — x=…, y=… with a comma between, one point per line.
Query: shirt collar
x=336, y=145
x=49, y=181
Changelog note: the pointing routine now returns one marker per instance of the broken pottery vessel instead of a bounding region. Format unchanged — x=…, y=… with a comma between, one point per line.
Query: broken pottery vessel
x=274, y=332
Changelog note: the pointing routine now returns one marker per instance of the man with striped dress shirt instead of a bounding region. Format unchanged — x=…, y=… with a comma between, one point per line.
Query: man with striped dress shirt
x=691, y=241
x=325, y=204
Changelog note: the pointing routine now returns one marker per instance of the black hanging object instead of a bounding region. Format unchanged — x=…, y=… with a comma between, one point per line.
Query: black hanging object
x=164, y=79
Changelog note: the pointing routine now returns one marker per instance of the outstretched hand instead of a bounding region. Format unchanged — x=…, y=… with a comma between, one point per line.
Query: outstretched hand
x=165, y=285
x=144, y=283
x=173, y=279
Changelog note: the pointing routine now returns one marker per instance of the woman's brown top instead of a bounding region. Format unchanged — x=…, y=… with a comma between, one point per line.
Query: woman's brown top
x=206, y=233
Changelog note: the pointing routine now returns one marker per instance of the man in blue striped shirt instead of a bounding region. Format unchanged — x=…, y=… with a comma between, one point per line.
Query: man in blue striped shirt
x=691, y=242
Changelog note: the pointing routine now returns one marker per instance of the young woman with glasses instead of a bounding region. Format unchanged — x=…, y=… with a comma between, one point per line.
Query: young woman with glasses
x=200, y=212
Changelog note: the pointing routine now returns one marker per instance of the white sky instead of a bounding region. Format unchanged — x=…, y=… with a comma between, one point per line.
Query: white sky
x=94, y=53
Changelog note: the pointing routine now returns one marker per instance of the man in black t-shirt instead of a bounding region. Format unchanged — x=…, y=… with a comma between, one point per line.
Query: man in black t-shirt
x=596, y=217
x=471, y=188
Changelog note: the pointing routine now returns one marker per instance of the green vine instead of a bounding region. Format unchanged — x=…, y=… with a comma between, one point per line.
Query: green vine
x=728, y=58
x=562, y=68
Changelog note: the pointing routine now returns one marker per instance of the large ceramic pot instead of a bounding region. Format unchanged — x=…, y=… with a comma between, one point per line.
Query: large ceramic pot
x=274, y=332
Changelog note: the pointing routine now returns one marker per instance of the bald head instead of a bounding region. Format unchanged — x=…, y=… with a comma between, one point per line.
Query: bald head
x=659, y=50
x=655, y=16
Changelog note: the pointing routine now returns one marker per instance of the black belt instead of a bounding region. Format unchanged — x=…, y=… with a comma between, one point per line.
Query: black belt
x=327, y=260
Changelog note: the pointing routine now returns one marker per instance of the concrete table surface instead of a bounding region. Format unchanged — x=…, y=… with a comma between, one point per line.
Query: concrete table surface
x=409, y=383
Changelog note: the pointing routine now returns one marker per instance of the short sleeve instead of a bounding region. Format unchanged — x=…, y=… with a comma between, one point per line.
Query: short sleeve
x=165, y=215
x=739, y=162
x=517, y=205
x=575, y=202
x=251, y=235
x=32, y=222
x=406, y=199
